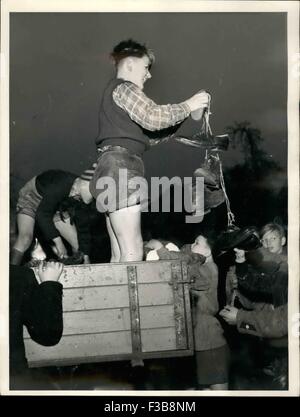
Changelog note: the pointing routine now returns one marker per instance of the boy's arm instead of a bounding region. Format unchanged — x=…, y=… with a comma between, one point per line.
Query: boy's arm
x=53, y=196
x=145, y=112
x=43, y=313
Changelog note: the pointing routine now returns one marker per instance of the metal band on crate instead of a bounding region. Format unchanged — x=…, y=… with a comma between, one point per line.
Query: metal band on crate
x=134, y=316
x=179, y=312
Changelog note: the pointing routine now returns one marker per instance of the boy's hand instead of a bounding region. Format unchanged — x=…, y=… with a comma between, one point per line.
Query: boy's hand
x=229, y=314
x=198, y=101
x=239, y=255
x=50, y=271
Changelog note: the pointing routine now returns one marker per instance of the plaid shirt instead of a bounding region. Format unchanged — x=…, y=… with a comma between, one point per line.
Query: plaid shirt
x=144, y=111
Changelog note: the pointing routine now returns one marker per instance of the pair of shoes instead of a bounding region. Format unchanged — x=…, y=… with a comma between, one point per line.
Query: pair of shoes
x=234, y=237
x=204, y=141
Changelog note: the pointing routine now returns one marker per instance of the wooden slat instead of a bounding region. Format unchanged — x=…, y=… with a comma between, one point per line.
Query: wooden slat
x=85, y=346
x=93, y=275
x=98, y=321
x=113, y=297
x=95, y=297
x=153, y=272
x=94, y=321
x=156, y=340
x=155, y=294
x=156, y=316
x=88, y=347
x=106, y=275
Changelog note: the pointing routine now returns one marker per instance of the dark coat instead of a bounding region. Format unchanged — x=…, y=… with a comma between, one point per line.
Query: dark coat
x=36, y=306
x=264, y=278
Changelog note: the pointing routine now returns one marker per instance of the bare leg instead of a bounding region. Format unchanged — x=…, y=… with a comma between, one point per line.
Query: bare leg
x=114, y=245
x=68, y=231
x=126, y=224
x=24, y=239
x=25, y=232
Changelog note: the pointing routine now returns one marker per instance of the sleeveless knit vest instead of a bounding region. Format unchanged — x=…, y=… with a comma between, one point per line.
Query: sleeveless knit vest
x=116, y=127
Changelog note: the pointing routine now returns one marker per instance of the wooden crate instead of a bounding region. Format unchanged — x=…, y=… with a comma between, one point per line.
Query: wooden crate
x=120, y=311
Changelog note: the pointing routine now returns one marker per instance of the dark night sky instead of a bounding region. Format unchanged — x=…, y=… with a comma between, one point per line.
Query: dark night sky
x=59, y=65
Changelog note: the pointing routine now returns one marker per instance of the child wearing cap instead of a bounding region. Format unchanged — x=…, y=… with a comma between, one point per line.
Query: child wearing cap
x=58, y=202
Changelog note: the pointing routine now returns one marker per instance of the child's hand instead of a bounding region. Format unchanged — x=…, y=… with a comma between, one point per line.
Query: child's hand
x=239, y=255
x=229, y=314
x=50, y=271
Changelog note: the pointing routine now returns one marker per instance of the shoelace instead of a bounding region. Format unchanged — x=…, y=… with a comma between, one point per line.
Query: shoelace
x=230, y=215
x=205, y=128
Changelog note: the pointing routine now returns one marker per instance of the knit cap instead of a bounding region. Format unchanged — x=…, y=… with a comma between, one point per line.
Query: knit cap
x=87, y=175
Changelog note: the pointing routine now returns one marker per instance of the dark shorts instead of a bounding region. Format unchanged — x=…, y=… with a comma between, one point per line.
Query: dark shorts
x=114, y=184
x=29, y=201
x=213, y=365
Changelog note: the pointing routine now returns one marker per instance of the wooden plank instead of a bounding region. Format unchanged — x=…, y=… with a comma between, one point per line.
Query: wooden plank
x=99, y=321
x=109, y=358
x=85, y=346
x=89, y=347
x=116, y=296
x=156, y=271
x=155, y=340
x=93, y=275
x=95, y=297
x=106, y=275
x=157, y=316
x=155, y=294
x=94, y=321
x=102, y=344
